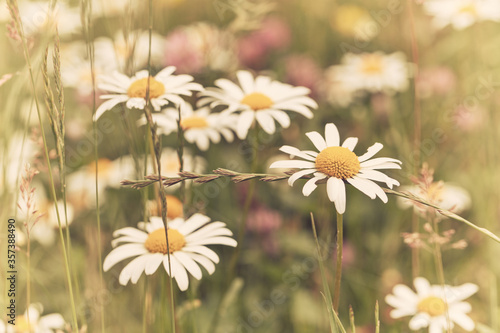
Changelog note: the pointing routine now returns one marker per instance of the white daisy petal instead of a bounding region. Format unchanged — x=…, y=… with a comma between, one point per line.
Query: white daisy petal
x=296, y=152
x=350, y=143
x=180, y=274
x=123, y=252
x=193, y=223
x=332, y=135
x=154, y=261
x=298, y=175
x=336, y=193
x=246, y=81
x=317, y=140
x=245, y=121
x=265, y=121
x=188, y=263
x=363, y=185
x=371, y=152
x=309, y=186
x=216, y=241
x=203, y=250
x=204, y=261
x=292, y=164
x=133, y=268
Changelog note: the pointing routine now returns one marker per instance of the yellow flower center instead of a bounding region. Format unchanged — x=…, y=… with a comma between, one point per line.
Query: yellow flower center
x=157, y=242
x=469, y=9
x=338, y=162
x=257, y=101
x=138, y=88
x=432, y=305
x=175, y=208
x=193, y=122
x=22, y=325
x=372, y=64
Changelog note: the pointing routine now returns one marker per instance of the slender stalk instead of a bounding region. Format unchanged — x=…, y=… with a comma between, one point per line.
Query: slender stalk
x=417, y=132
x=438, y=261
x=28, y=274
x=19, y=26
x=145, y=308
x=86, y=15
x=338, y=269
x=157, y=150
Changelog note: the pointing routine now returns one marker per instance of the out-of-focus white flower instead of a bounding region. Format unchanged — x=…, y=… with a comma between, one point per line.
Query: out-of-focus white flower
x=131, y=52
x=200, y=126
x=435, y=306
x=444, y=195
x=14, y=155
x=373, y=72
x=38, y=17
x=200, y=46
x=50, y=323
x=81, y=188
x=462, y=13
x=334, y=89
x=259, y=99
x=186, y=251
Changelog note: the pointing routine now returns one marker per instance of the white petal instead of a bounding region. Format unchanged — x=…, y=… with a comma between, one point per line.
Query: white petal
x=135, y=267
x=123, y=252
x=462, y=319
x=180, y=274
x=335, y=189
x=216, y=241
x=265, y=121
x=376, y=162
x=281, y=117
x=245, y=121
x=153, y=263
x=191, y=266
x=132, y=232
x=350, y=143
x=202, y=250
x=296, y=152
x=205, y=262
x=231, y=88
x=363, y=185
x=309, y=186
x=51, y=321
x=292, y=164
x=377, y=176
x=299, y=174
x=422, y=286
x=332, y=135
x=419, y=321
x=246, y=81
x=193, y=223
x=317, y=140
x=108, y=105
x=371, y=152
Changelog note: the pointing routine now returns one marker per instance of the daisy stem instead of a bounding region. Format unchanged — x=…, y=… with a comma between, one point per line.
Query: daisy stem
x=145, y=308
x=157, y=150
x=338, y=270
x=417, y=130
x=19, y=27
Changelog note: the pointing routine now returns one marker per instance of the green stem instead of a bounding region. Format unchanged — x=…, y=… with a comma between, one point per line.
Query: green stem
x=438, y=260
x=338, y=270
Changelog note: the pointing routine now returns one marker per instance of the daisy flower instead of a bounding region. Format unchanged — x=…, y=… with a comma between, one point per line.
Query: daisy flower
x=259, y=99
x=164, y=88
x=374, y=72
x=462, y=13
x=187, y=244
x=50, y=323
x=433, y=306
x=338, y=164
x=199, y=127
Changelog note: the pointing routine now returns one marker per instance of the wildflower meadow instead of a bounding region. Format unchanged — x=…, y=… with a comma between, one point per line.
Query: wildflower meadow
x=250, y=166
